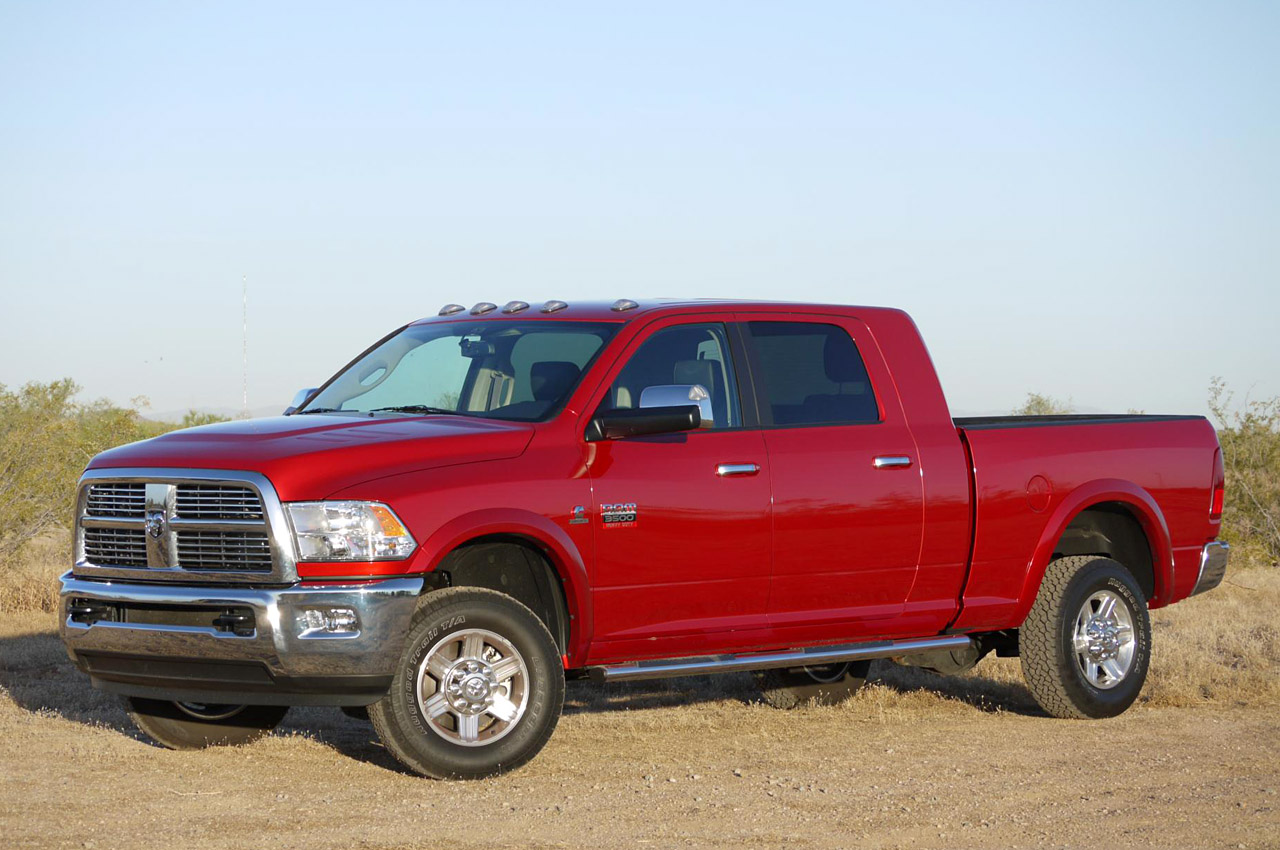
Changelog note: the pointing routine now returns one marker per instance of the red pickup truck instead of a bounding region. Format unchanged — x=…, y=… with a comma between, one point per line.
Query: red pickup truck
x=493, y=499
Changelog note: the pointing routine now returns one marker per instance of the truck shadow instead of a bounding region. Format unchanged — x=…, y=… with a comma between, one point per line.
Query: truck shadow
x=977, y=690
x=981, y=692
x=38, y=677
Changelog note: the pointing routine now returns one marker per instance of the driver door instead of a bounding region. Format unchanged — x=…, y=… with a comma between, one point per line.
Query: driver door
x=683, y=540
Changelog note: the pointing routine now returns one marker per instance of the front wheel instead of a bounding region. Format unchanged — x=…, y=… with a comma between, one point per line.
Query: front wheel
x=478, y=689
x=1086, y=644
x=196, y=725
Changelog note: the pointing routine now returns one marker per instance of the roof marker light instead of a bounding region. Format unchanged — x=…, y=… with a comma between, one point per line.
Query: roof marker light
x=515, y=306
x=450, y=309
x=554, y=306
x=623, y=304
x=483, y=307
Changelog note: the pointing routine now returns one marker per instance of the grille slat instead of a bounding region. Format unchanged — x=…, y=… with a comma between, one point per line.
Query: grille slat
x=124, y=547
x=116, y=500
x=237, y=551
x=216, y=501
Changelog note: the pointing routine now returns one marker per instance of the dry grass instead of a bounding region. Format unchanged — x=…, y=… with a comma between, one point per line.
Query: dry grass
x=913, y=761
x=30, y=582
x=1222, y=649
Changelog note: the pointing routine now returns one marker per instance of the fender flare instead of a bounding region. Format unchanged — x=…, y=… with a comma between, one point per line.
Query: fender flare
x=560, y=550
x=1145, y=510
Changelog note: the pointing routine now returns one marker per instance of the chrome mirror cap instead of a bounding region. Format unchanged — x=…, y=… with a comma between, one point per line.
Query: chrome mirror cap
x=299, y=399
x=676, y=395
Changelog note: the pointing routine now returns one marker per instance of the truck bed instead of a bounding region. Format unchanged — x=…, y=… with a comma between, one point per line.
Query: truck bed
x=1032, y=474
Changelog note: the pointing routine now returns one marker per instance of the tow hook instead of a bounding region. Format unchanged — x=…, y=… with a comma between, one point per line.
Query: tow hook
x=238, y=623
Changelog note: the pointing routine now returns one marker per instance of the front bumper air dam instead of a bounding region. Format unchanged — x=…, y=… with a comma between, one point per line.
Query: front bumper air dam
x=237, y=645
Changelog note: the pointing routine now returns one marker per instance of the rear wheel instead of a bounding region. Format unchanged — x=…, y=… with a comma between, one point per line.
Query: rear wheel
x=827, y=684
x=478, y=689
x=196, y=725
x=1086, y=644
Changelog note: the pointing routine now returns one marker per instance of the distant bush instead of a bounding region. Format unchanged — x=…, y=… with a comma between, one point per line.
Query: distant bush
x=1042, y=405
x=192, y=418
x=46, y=440
x=1250, y=437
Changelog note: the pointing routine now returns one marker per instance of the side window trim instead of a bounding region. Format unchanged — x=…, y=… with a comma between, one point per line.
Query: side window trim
x=746, y=373
x=760, y=392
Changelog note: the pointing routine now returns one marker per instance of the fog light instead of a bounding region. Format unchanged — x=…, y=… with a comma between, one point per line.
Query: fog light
x=314, y=622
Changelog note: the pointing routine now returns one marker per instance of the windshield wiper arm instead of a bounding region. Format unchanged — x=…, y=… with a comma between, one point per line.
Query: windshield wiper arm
x=317, y=410
x=416, y=408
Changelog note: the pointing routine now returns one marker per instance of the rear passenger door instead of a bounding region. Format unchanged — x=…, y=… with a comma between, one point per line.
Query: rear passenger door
x=848, y=501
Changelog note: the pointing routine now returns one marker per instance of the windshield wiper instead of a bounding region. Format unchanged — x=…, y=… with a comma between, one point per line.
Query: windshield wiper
x=317, y=410
x=416, y=408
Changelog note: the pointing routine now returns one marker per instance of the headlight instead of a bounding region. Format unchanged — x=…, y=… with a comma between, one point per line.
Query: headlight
x=349, y=531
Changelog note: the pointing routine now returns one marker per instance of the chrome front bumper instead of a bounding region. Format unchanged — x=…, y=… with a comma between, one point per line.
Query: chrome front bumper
x=242, y=645
x=1213, y=567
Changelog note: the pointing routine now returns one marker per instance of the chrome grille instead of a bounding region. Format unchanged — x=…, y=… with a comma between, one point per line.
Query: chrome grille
x=224, y=550
x=116, y=499
x=182, y=525
x=216, y=502
x=125, y=547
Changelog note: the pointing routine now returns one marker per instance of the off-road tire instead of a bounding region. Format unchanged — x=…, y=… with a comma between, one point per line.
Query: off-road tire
x=826, y=685
x=1049, y=662
x=167, y=724
x=398, y=717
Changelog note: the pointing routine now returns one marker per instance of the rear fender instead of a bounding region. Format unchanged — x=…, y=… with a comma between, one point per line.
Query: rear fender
x=555, y=544
x=1144, y=509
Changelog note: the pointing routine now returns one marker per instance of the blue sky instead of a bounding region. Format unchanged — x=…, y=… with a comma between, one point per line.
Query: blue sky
x=1080, y=199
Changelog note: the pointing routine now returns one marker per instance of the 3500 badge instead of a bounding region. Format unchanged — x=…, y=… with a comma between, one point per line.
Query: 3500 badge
x=619, y=515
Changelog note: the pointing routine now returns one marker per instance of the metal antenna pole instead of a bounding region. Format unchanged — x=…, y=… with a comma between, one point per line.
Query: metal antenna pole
x=244, y=350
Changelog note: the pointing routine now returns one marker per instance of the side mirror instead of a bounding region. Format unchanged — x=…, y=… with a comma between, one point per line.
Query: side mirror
x=299, y=399
x=639, y=422
x=673, y=395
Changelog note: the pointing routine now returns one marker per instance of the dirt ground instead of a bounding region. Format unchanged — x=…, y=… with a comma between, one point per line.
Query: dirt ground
x=913, y=761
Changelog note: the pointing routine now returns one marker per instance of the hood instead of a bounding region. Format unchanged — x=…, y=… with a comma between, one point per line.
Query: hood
x=311, y=456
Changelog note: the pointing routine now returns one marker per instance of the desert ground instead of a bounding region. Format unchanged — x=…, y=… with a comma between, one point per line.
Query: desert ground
x=914, y=760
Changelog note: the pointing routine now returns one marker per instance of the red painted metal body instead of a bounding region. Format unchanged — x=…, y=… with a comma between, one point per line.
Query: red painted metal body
x=818, y=547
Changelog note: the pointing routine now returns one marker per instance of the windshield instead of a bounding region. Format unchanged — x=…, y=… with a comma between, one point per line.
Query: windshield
x=521, y=371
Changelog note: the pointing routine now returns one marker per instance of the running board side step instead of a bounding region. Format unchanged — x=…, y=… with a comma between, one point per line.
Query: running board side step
x=661, y=668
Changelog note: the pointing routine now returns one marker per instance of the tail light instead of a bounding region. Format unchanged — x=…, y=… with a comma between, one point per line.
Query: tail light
x=1219, y=487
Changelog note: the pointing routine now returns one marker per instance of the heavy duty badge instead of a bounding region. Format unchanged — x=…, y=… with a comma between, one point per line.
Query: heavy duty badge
x=619, y=515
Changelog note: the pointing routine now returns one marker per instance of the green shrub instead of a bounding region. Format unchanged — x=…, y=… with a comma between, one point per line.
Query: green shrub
x=1250, y=437
x=46, y=440
x=1042, y=405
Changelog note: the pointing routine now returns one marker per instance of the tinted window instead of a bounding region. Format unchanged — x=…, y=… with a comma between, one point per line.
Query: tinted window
x=812, y=374
x=685, y=354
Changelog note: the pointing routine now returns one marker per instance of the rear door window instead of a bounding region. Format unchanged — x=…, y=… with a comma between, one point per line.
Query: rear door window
x=812, y=374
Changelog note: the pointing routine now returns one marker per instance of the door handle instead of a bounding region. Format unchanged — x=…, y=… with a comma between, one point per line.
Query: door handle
x=726, y=470
x=892, y=462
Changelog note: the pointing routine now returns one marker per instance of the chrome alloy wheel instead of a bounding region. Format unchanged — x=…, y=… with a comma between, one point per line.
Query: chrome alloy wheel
x=473, y=687
x=1104, y=639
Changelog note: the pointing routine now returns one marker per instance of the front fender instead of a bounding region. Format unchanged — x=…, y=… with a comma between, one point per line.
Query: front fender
x=560, y=550
x=1136, y=499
